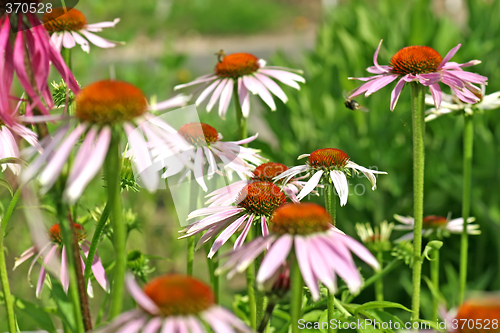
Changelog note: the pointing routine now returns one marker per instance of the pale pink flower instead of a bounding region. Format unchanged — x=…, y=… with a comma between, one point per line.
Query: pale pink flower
x=205, y=148
x=30, y=52
x=248, y=74
x=48, y=253
x=436, y=225
x=69, y=28
x=174, y=304
x=101, y=108
x=332, y=166
x=425, y=65
x=255, y=203
x=303, y=231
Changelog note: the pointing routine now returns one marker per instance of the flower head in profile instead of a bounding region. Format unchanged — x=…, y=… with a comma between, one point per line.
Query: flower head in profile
x=436, y=225
x=29, y=55
x=69, y=27
x=329, y=165
x=208, y=155
x=263, y=173
x=375, y=238
x=174, y=303
x=48, y=252
x=241, y=74
x=451, y=104
x=426, y=66
x=255, y=203
x=103, y=109
x=303, y=231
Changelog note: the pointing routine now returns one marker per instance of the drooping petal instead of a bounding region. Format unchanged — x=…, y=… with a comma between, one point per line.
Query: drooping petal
x=339, y=180
x=96, y=40
x=396, y=92
x=301, y=251
x=274, y=258
x=310, y=185
x=139, y=296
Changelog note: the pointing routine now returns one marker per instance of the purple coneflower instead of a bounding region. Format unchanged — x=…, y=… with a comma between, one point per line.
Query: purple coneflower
x=332, y=166
x=67, y=28
x=56, y=245
x=256, y=202
x=29, y=56
x=175, y=303
x=101, y=108
x=425, y=65
x=304, y=231
x=249, y=74
x=205, y=147
x=264, y=173
x=436, y=225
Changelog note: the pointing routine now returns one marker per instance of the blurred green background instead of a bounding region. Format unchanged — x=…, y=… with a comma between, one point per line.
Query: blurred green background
x=172, y=42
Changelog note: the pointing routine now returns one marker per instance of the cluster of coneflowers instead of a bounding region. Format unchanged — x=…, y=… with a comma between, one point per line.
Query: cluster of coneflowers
x=281, y=241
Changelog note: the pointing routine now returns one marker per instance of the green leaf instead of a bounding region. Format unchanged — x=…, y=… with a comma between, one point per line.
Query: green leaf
x=64, y=306
x=6, y=184
x=380, y=304
x=38, y=315
x=431, y=248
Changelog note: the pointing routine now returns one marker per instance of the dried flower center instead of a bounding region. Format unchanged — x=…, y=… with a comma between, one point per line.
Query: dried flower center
x=55, y=233
x=236, y=65
x=485, y=310
x=300, y=219
x=261, y=198
x=434, y=221
x=59, y=20
x=267, y=171
x=329, y=158
x=110, y=102
x=199, y=134
x=177, y=294
x=415, y=60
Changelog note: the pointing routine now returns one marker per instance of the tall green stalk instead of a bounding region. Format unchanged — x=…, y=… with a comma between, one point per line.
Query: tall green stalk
x=194, y=191
x=418, y=124
x=296, y=285
x=251, y=290
x=241, y=121
x=113, y=166
x=435, y=282
x=466, y=196
x=379, y=283
x=66, y=55
x=331, y=207
x=95, y=242
x=4, y=278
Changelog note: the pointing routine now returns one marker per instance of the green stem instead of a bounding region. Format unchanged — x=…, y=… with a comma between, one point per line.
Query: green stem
x=66, y=55
x=466, y=196
x=214, y=279
x=240, y=119
x=113, y=166
x=4, y=278
x=379, y=284
x=435, y=282
x=331, y=207
x=193, y=205
x=418, y=124
x=251, y=290
x=296, y=285
x=260, y=298
x=95, y=242
x=266, y=317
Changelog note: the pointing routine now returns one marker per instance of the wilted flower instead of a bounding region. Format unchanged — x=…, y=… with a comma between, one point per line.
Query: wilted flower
x=56, y=245
x=329, y=165
x=174, y=303
x=255, y=202
x=425, y=65
x=204, y=146
x=68, y=26
x=263, y=173
x=303, y=231
x=102, y=107
x=436, y=225
x=248, y=74
x=451, y=104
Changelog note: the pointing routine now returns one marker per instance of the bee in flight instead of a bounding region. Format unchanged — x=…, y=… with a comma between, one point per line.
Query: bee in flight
x=352, y=104
x=220, y=55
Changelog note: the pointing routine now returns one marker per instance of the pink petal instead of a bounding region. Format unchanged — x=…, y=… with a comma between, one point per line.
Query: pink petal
x=98, y=269
x=244, y=98
x=139, y=296
x=310, y=185
x=153, y=325
x=375, y=56
x=96, y=40
x=81, y=41
x=301, y=251
x=274, y=258
x=256, y=87
x=243, y=236
x=64, y=270
x=216, y=94
x=225, y=98
x=207, y=91
x=436, y=94
x=226, y=235
x=68, y=40
x=133, y=326
x=41, y=277
x=396, y=92
x=378, y=84
x=201, y=79
x=24, y=256
x=272, y=86
x=284, y=77
x=450, y=55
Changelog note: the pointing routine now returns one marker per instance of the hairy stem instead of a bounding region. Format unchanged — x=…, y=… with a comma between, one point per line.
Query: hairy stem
x=194, y=191
x=418, y=124
x=435, y=282
x=113, y=166
x=379, y=284
x=331, y=207
x=4, y=278
x=296, y=285
x=251, y=290
x=240, y=119
x=466, y=196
